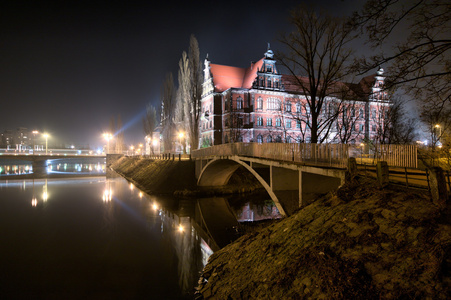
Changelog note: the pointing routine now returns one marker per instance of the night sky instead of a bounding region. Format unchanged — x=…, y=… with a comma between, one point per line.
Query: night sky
x=68, y=69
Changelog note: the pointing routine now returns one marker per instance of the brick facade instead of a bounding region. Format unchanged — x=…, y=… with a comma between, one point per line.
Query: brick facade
x=258, y=104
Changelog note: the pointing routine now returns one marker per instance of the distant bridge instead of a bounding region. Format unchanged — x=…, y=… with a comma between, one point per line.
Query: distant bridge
x=40, y=160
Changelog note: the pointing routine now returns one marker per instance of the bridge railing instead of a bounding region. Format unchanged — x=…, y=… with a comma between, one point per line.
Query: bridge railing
x=335, y=155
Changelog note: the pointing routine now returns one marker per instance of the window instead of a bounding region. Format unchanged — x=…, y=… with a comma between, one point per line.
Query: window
x=361, y=114
x=352, y=112
x=298, y=124
x=298, y=108
x=268, y=83
x=288, y=106
x=260, y=103
x=373, y=128
x=239, y=103
x=278, y=139
x=259, y=121
x=373, y=114
x=288, y=123
x=269, y=122
x=361, y=127
x=269, y=139
x=288, y=139
x=278, y=123
x=273, y=104
x=259, y=139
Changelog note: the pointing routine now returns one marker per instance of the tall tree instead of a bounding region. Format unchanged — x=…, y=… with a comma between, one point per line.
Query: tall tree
x=168, y=105
x=150, y=121
x=193, y=111
x=317, y=58
x=184, y=95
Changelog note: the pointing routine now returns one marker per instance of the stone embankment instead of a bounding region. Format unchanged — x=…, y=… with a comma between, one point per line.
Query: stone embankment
x=177, y=178
x=361, y=242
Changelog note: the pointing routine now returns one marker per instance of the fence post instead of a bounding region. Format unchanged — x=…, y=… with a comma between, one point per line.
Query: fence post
x=351, y=171
x=382, y=173
x=407, y=180
x=439, y=191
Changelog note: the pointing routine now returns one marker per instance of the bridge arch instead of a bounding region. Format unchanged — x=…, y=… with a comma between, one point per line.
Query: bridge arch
x=218, y=171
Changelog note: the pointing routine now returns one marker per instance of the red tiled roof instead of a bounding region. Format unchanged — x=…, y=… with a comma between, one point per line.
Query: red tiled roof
x=225, y=77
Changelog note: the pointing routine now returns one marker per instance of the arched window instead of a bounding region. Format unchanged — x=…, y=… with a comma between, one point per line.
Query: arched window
x=269, y=139
x=278, y=139
x=288, y=106
x=299, y=108
x=278, y=122
x=288, y=139
x=260, y=103
x=259, y=139
x=239, y=103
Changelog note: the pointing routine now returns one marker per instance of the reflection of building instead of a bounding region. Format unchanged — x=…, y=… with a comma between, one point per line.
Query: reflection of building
x=259, y=104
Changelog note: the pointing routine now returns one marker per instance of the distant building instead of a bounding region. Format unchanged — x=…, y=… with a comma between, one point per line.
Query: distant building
x=259, y=104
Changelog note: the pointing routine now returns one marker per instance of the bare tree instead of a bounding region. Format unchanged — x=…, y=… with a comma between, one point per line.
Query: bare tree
x=418, y=32
x=317, y=59
x=194, y=105
x=168, y=104
x=150, y=121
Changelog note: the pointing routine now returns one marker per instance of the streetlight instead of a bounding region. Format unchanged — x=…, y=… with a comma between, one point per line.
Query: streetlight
x=108, y=137
x=131, y=148
x=181, y=134
x=46, y=136
x=440, y=131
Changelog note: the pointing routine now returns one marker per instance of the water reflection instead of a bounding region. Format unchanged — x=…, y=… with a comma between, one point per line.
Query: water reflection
x=96, y=235
x=55, y=168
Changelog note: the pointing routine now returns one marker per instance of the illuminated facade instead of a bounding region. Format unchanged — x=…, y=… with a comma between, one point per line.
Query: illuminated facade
x=259, y=104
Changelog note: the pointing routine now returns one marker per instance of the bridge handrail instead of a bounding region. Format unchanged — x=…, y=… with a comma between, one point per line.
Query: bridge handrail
x=335, y=155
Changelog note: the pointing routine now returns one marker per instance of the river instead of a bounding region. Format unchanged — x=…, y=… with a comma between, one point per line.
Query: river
x=99, y=237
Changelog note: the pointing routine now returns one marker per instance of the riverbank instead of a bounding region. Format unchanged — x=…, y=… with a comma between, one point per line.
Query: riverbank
x=177, y=178
x=360, y=242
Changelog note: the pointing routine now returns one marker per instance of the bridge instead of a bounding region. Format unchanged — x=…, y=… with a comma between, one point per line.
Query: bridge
x=40, y=160
x=292, y=174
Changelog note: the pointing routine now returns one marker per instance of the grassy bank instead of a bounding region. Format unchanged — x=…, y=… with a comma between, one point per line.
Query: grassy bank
x=358, y=243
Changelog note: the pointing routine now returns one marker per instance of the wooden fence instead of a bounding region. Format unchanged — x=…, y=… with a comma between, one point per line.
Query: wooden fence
x=334, y=155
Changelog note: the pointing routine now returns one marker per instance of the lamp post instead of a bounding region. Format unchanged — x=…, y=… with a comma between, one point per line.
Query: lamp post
x=108, y=137
x=361, y=152
x=46, y=136
x=181, y=134
x=440, y=132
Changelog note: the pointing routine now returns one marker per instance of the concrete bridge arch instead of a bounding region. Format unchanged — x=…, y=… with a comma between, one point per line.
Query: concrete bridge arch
x=289, y=185
x=218, y=171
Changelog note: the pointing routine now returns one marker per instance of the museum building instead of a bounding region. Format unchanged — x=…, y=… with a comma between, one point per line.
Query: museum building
x=259, y=104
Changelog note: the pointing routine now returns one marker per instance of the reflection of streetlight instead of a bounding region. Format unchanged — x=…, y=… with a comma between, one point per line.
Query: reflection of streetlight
x=108, y=137
x=46, y=136
x=131, y=148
